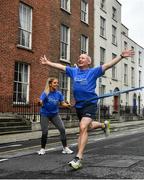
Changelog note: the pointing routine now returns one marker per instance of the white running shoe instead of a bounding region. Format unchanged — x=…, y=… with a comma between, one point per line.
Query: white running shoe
x=41, y=152
x=106, y=128
x=67, y=150
x=75, y=163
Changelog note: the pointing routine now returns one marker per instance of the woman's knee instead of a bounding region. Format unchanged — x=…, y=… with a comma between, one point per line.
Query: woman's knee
x=62, y=131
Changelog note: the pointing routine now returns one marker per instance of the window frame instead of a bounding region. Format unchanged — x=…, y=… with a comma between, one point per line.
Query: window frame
x=64, y=43
x=102, y=55
x=84, y=11
x=20, y=73
x=64, y=80
x=65, y=5
x=114, y=35
x=84, y=44
x=125, y=74
x=102, y=27
x=27, y=29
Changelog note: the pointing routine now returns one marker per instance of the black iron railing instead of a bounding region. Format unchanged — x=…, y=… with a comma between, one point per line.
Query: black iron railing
x=31, y=110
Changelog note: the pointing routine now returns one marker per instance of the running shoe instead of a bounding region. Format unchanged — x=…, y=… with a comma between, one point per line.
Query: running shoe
x=67, y=150
x=41, y=152
x=106, y=129
x=75, y=163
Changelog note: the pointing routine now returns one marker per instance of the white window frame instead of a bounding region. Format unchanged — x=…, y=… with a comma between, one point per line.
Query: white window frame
x=114, y=68
x=21, y=83
x=114, y=35
x=84, y=44
x=125, y=74
x=65, y=5
x=102, y=27
x=25, y=26
x=84, y=11
x=132, y=77
x=114, y=13
x=103, y=5
x=65, y=43
x=102, y=91
x=139, y=58
x=64, y=86
x=102, y=55
x=140, y=75
x=125, y=45
x=133, y=57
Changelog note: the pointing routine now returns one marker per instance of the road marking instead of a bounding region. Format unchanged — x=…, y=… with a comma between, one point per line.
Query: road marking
x=13, y=145
x=1, y=160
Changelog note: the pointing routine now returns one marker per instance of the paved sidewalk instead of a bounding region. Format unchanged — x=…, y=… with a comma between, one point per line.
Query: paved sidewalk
x=115, y=126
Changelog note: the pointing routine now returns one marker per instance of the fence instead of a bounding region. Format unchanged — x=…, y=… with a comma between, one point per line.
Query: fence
x=31, y=111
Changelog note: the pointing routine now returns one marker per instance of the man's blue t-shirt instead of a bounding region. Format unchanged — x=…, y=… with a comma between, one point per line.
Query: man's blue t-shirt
x=84, y=84
x=50, y=103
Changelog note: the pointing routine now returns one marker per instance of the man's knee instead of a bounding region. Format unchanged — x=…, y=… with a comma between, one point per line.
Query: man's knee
x=83, y=127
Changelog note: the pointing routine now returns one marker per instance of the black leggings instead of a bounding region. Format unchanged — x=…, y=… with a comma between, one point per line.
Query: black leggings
x=58, y=123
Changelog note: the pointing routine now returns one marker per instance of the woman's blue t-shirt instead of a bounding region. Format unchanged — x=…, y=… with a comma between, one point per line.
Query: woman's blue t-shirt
x=50, y=103
x=84, y=84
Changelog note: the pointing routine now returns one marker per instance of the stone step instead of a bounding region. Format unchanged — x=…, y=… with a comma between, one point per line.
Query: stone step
x=15, y=132
x=4, y=130
x=7, y=124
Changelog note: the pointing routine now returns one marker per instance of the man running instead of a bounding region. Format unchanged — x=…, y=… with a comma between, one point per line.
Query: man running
x=84, y=84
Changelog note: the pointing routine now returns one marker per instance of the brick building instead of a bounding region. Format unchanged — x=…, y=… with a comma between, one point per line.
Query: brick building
x=61, y=29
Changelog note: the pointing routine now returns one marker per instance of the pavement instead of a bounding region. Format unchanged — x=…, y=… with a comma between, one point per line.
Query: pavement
x=115, y=126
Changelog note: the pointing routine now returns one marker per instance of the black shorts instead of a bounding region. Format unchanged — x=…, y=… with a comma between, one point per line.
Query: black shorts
x=87, y=111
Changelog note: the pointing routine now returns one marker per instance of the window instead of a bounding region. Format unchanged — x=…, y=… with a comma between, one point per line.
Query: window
x=65, y=43
x=102, y=4
x=102, y=91
x=114, y=38
x=21, y=83
x=25, y=26
x=132, y=77
x=102, y=27
x=114, y=13
x=125, y=74
x=102, y=55
x=127, y=99
x=132, y=58
x=139, y=58
x=125, y=45
x=65, y=4
x=114, y=35
x=84, y=11
x=84, y=44
x=114, y=69
x=63, y=85
x=140, y=78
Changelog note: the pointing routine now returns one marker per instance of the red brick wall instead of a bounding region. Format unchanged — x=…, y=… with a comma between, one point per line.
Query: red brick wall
x=47, y=18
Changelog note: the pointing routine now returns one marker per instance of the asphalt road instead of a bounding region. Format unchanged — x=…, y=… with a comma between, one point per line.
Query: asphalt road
x=120, y=156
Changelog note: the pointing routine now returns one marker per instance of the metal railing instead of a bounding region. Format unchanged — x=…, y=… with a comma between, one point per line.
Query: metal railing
x=31, y=111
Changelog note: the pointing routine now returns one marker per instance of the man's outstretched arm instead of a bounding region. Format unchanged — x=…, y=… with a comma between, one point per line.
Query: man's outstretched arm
x=124, y=54
x=46, y=61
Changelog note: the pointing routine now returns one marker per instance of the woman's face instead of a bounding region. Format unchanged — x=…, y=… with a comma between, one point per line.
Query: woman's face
x=54, y=84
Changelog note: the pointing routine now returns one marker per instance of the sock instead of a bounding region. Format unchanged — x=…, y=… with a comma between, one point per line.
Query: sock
x=103, y=125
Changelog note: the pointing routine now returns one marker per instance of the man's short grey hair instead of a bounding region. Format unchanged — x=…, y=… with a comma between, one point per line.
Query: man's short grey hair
x=89, y=58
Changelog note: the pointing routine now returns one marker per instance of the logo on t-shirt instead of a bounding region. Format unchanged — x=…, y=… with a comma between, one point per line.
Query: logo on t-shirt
x=81, y=81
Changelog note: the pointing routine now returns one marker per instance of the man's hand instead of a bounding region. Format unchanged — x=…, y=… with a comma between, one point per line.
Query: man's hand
x=127, y=53
x=44, y=60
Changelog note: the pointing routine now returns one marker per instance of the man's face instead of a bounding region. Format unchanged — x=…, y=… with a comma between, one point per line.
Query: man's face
x=83, y=61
